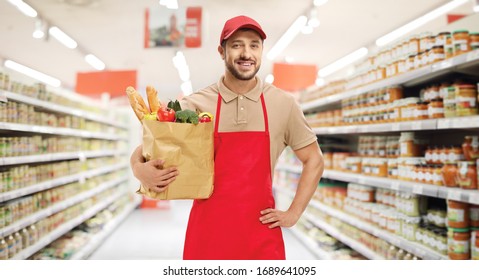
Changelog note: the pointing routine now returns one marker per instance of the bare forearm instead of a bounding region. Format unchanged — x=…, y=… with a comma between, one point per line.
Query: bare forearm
x=136, y=157
x=308, y=182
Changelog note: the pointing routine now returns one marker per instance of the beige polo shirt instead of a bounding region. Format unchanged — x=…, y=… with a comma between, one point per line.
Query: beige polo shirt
x=287, y=124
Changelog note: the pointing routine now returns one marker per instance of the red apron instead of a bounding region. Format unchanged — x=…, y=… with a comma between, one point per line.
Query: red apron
x=226, y=226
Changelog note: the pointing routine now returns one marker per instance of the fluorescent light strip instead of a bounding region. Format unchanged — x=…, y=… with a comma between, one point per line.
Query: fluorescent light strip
x=318, y=3
x=24, y=8
x=62, y=37
x=269, y=79
x=32, y=73
x=342, y=62
x=187, y=88
x=287, y=37
x=95, y=62
x=388, y=38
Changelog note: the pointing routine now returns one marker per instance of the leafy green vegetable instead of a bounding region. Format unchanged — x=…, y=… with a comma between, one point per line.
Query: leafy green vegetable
x=175, y=105
x=187, y=116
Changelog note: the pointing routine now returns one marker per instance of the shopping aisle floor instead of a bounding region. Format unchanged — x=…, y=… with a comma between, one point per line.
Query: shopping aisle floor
x=159, y=234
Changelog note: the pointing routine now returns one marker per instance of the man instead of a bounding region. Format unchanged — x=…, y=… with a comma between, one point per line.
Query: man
x=254, y=122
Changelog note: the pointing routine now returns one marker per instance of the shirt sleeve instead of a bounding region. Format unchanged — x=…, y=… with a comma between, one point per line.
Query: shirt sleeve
x=298, y=134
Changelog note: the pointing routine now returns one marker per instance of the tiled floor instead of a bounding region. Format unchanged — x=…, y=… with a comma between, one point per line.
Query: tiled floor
x=159, y=234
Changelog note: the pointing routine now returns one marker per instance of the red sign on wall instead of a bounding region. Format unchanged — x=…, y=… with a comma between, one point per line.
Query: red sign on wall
x=193, y=27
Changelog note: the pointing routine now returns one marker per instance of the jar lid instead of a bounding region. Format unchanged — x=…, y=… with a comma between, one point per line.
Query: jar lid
x=458, y=229
x=438, y=47
x=444, y=33
x=467, y=86
x=436, y=99
x=460, y=31
x=474, y=33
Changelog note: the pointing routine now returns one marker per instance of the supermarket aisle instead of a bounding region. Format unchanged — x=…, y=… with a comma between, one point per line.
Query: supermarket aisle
x=159, y=234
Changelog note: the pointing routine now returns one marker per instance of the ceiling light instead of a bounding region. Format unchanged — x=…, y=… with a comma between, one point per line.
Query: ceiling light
x=62, y=37
x=307, y=29
x=320, y=82
x=318, y=3
x=269, y=79
x=180, y=64
x=401, y=31
x=342, y=62
x=287, y=37
x=95, y=62
x=313, y=22
x=40, y=27
x=476, y=6
x=32, y=73
x=24, y=8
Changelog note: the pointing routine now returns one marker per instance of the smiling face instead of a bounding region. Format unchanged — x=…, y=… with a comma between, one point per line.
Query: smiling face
x=242, y=54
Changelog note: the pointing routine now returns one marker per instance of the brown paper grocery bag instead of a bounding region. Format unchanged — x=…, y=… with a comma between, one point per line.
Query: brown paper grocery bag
x=187, y=146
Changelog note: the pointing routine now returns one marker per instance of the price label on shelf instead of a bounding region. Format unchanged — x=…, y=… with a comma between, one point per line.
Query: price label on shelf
x=416, y=125
x=473, y=55
x=3, y=96
x=474, y=198
x=443, y=123
x=454, y=195
x=395, y=186
x=416, y=188
x=395, y=127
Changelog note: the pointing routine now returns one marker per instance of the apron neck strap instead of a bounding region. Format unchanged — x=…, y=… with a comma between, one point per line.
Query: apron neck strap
x=218, y=110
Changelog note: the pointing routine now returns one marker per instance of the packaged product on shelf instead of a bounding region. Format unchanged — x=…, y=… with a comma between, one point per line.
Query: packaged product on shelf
x=411, y=145
x=3, y=248
x=460, y=40
x=458, y=243
x=474, y=40
x=470, y=147
x=467, y=175
x=475, y=244
x=466, y=103
x=457, y=214
x=474, y=215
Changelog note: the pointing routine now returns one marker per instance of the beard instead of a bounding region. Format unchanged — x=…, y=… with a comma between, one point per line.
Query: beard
x=241, y=76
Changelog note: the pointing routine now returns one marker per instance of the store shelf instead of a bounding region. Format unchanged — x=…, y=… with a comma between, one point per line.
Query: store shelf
x=459, y=63
x=410, y=246
x=334, y=232
x=52, y=107
x=310, y=244
x=57, y=156
x=58, y=131
x=469, y=196
x=60, y=181
x=59, y=207
x=66, y=227
x=418, y=125
x=98, y=238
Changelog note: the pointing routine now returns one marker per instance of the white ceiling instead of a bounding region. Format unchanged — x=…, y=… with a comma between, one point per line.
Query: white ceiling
x=113, y=31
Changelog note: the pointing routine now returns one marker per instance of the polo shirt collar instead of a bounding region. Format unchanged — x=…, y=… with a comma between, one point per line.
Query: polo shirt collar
x=229, y=95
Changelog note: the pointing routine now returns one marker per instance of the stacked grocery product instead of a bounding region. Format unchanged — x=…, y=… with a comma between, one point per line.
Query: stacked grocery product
x=449, y=99
x=62, y=162
x=410, y=54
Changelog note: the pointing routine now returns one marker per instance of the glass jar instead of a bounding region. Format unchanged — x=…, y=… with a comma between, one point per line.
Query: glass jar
x=457, y=214
x=470, y=147
x=450, y=102
x=421, y=111
x=448, y=47
x=466, y=103
x=435, y=109
x=474, y=215
x=467, y=175
x=449, y=174
x=475, y=244
x=460, y=40
x=474, y=40
x=458, y=243
x=441, y=38
x=436, y=54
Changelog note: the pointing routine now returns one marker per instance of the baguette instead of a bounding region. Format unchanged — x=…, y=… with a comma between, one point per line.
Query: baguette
x=137, y=103
x=153, y=100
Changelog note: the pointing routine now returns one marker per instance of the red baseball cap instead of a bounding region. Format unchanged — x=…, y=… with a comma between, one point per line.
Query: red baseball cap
x=233, y=24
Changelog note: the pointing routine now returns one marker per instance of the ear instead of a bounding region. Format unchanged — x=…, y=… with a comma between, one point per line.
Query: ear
x=221, y=51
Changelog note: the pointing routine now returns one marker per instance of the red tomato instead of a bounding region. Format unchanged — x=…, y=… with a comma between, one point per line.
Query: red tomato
x=205, y=119
x=166, y=114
